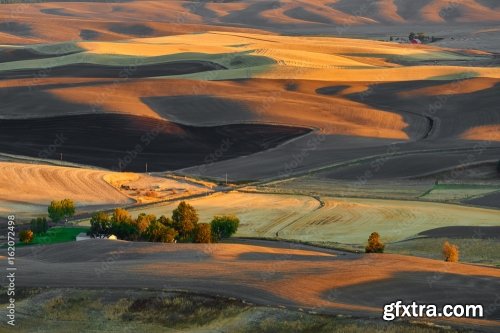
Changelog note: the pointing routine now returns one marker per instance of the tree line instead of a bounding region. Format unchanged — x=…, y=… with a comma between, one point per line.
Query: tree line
x=182, y=226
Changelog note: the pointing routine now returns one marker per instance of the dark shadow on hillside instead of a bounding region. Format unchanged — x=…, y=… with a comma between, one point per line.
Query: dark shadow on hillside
x=200, y=8
x=331, y=90
x=16, y=28
x=492, y=4
x=456, y=113
x=300, y=13
x=16, y=54
x=87, y=34
x=473, y=232
x=199, y=109
x=409, y=165
x=490, y=200
x=127, y=143
x=56, y=11
x=119, y=72
x=23, y=102
x=139, y=30
x=409, y=9
x=424, y=287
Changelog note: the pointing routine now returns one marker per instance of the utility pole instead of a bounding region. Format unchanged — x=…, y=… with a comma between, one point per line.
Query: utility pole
x=226, y=178
x=146, y=167
x=61, y=156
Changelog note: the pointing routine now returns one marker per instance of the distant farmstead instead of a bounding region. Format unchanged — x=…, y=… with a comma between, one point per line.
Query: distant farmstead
x=414, y=38
x=83, y=236
x=399, y=39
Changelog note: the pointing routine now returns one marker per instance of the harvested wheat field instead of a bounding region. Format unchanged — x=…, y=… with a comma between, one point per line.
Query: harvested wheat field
x=314, y=122
x=277, y=274
x=27, y=189
x=36, y=185
x=229, y=56
x=261, y=215
x=338, y=220
x=352, y=220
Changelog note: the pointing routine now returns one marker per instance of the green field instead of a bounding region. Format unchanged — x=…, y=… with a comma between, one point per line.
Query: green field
x=57, y=235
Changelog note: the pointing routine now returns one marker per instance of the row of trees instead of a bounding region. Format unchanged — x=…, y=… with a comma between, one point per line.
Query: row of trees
x=182, y=226
x=39, y=225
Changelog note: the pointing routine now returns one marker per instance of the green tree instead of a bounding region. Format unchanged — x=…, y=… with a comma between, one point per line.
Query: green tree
x=39, y=225
x=61, y=209
x=203, y=233
x=166, y=221
x=185, y=219
x=100, y=225
x=374, y=244
x=26, y=236
x=411, y=36
x=121, y=215
x=143, y=221
x=55, y=211
x=122, y=225
x=224, y=226
x=157, y=232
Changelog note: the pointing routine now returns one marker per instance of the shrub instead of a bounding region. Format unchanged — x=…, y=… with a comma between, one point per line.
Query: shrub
x=185, y=220
x=450, y=252
x=203, y=233
x=39, y=225
x=61, y=209
x=26, y=236
x=224, y=226
x=374, y=244
x=100, y=225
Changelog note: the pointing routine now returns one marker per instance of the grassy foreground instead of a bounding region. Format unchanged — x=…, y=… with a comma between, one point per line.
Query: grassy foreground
x=77, y=310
